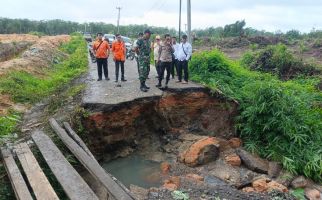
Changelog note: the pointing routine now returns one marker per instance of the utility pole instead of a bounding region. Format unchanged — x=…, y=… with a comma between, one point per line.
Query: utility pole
x=189, y=20
x=118, y=19
x=180, y=20
x=185, y=27
x=85, y=27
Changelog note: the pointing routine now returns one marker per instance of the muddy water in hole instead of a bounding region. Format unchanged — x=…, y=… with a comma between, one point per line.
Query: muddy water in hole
x=135, y=170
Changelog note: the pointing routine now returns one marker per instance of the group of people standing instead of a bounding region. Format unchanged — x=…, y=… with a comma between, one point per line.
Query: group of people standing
x=101, y=49
x=169, y=56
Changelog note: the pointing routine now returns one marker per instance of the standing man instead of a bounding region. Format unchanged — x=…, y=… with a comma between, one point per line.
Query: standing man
x=143, y=49
x=156, y=48
x=101, y=50
x=175, y=46
x=165, y=57
x=184, y=55
x=119, y=51
x=133, y=49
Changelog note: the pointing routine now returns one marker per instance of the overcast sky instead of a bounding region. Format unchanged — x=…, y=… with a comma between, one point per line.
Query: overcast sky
x=270, y=15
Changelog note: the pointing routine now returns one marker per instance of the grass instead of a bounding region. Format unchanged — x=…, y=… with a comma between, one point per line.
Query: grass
x=27, y=88
x=280, y=120
x=8, y=123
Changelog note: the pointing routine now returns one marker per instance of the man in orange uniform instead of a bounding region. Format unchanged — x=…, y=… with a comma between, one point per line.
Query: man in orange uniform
x=119, y=50
x=101, y=50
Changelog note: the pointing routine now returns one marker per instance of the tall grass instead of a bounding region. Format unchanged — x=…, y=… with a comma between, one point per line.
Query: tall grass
x=279, y=120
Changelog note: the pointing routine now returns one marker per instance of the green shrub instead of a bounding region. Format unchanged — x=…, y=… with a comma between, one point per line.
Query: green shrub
x=280, y=61
x=279, y=120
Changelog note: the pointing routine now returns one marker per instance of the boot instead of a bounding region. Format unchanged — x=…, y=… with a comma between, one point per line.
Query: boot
x=123, y=79
x=142, y=88
x=166, y=84
x=159, y=84
x=145, y=85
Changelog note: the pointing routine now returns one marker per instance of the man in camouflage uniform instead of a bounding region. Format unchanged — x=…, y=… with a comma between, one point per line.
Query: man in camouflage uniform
x=143, y=49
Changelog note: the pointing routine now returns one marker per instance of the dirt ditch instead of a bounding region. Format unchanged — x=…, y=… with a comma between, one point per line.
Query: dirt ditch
x=35, y=54
x=189, y=135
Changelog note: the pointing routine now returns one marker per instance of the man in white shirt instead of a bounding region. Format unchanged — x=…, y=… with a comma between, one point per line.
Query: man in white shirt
x=184, y=54
x=175, y=46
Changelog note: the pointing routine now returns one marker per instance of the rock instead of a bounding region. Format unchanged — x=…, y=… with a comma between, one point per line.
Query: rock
x=246, y=177
x=226, y=173
x=233, y=160
x=248, y=189
x=173, y=183
x=168, y=148
x=201, y=152
x=260, y=185
x=223, y=145
x=266, y=185
x=170, y=186
x=273, y=185
x=195, y=177
x=312, y=194
x=285, y=178
x=274, y=169
x=235, y=142
x=299, y=182
x=191, y=137
x=165, y=167
x=253, y=162
x=139, y=192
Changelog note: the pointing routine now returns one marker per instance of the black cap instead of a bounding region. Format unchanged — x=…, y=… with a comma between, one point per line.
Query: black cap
x=147, y=31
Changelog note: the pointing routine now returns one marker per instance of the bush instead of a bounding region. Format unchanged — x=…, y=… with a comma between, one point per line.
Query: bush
x=279, y=120
x=280, y=61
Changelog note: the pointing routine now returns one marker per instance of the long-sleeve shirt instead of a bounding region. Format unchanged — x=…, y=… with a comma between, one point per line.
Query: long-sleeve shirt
x=176, y=49
x=156, y=49
x=165, y=52
x=184, y=51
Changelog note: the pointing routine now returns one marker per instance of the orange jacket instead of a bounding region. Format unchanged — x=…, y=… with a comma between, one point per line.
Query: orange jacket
x=119, y=50
x=101, y=51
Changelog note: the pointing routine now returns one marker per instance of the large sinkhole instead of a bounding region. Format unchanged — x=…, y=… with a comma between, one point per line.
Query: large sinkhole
x=133, y=139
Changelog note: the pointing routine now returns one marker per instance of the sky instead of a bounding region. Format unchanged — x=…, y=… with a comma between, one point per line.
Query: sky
x=269, y=15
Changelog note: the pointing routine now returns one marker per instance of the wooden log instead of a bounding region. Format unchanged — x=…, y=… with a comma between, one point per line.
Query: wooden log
x=80, y=142
x=115, y=191
x=18, y=183
x=73, y=184
x=36, y=177
x=77, y=139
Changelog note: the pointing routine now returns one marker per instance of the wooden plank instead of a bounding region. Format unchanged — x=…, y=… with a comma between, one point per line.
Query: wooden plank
x=115, y=191
x=18, y=183
x=80, y=142
x=36, y=177
x=73, y=184
x=77, y=139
